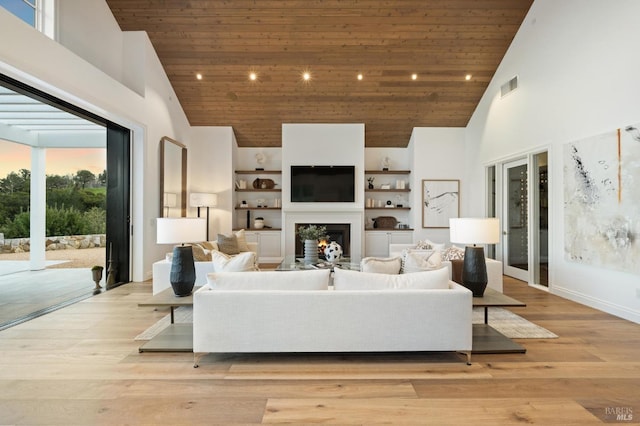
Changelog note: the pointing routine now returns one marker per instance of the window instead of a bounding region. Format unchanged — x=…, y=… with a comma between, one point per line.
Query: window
x=37, y=13
x=23, y=9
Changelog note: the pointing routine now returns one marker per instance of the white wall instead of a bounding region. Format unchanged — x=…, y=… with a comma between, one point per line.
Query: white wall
x=210, y=170
x=322, y=144
x=578, y=62
x=437, y=153
x=49, y=66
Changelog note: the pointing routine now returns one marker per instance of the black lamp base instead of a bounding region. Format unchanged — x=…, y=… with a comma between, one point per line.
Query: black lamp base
x=474, y=270
x=183, y=271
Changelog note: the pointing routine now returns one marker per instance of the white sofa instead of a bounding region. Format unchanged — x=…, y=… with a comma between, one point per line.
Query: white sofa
x=297, y=311
x=494, y=267
x=162, y=269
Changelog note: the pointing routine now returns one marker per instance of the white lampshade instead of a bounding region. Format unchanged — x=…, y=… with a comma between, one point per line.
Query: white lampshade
x=178, y=230
x=170, y=199
x=474, y=230
x=203, y=199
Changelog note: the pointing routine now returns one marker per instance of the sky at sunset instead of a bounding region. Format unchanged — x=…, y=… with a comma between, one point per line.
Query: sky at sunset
x=60, y=161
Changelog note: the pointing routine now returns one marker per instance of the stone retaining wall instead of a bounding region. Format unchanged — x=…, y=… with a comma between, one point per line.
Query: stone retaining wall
x=69, y=242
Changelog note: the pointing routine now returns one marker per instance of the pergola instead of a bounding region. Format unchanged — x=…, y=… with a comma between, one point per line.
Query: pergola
x=29, y=121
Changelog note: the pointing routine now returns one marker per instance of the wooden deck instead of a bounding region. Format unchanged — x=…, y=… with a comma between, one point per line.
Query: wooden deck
x=80, y=365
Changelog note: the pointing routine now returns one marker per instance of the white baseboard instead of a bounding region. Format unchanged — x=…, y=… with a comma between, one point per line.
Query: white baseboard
x=608, y=307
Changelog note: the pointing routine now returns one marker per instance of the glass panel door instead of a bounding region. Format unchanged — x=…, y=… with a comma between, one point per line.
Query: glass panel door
x=515, y=220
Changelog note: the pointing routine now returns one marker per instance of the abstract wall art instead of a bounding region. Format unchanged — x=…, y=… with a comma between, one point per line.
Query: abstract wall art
x=440, y=201
x=602, y=200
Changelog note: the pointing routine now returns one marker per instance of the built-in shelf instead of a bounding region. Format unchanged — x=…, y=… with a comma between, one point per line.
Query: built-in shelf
x=258, y=229
x=259, y=190
x=387, y=190
x=389, y=229
x=387, y=172
x=258, y=172
x=387, y=208
x=258, y=208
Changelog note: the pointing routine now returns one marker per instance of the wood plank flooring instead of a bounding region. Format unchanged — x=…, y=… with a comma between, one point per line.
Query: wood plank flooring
x=81, y=366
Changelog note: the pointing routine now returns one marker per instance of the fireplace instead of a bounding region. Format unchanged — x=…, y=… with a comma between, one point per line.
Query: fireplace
x=338, y=232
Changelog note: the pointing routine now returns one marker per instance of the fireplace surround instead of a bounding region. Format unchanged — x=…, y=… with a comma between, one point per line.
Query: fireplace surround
x=353, y=243
x=338, y=232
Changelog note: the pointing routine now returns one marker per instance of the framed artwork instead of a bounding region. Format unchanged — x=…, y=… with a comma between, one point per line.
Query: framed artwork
x=440, y=201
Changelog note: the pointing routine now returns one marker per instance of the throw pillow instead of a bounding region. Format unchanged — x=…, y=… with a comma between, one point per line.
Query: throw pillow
x=420, y=260
x=228, y=244
x=388, y=265
x=200, y=254
x=270, y=280
x=429, y=245
x=209, y=245
x=241, y=263
x=353, y=280
x=452, y=253
x=242, y=240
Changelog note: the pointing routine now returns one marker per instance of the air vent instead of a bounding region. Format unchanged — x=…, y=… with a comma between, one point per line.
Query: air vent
x=509, y=87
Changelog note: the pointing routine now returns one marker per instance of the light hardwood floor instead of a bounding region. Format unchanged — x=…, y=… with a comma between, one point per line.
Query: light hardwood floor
x=80, y=365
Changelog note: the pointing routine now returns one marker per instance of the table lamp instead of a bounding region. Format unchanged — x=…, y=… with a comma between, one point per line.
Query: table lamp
x=203, y=199
x=472, y=231
x=181, y=230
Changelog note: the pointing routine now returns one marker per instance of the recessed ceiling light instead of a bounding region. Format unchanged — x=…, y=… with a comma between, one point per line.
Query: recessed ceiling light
x=253, y=76
x=306, y=76
x=414, y=76
x=467, y=77
x=199, y=76
x=360, y=76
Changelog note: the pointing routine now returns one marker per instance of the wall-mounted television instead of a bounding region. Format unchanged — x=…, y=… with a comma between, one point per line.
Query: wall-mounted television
x=322, y=184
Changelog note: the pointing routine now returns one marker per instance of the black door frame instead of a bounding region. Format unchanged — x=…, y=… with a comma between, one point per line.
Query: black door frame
x=118, y=176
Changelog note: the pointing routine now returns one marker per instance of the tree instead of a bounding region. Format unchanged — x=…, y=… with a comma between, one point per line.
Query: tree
x=83, y=177
x=58, y=182
x=102, y=178
x=16, y=182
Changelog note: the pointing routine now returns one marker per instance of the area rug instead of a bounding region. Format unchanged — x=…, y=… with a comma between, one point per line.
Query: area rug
x=503, y=320
x=512, y=325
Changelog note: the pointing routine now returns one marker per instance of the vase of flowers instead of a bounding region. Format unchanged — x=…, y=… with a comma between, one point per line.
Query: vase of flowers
x=309, y=236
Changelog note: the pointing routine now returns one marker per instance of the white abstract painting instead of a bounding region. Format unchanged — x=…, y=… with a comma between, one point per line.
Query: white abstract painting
x=602, y=200
x=440, y=201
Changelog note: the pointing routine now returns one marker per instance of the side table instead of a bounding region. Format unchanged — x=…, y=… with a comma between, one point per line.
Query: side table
x=176, y=337
x=486, y=339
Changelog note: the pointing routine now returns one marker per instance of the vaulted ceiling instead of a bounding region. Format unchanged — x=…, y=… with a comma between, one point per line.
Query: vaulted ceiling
x=386, y=41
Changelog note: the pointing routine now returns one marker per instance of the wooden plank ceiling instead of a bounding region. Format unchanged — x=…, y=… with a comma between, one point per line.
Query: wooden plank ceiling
x=441, y=41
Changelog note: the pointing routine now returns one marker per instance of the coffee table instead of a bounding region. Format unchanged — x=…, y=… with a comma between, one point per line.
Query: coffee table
x=486, y=339
x=292, y=263
x=176, y=337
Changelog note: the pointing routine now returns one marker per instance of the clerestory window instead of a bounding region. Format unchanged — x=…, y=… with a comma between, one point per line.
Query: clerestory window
x=37, y=13
x=23, y=9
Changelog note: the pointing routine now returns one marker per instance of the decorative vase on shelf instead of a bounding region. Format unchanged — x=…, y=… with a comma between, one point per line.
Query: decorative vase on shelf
x=333, y=252
x=310, y=251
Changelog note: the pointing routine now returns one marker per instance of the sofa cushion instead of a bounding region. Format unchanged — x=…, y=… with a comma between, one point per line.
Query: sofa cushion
x=270, y=280
x=241, y=262
x=379, y=265
x=228, y=244
x=354, y=280
x=420, y=260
